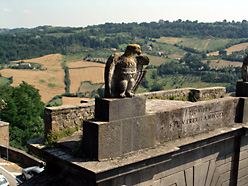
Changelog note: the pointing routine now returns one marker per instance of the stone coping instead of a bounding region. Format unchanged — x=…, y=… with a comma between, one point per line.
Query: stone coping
x=75, y=106
x=155, y=105
x=2, y=123
x=165, y=149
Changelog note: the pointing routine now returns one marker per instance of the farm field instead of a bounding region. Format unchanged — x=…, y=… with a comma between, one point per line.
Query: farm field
x=196, y=43
x=222, y=63
x=50, y=82
x=155, y=60
x=234, y=48
x=93, y=74
x=72, y=100
x=83, y=64
x=169, y=40
x=238, y=47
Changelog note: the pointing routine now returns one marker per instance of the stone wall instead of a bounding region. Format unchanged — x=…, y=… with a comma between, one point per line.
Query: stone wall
x=4, y=132
x=19, y=156
x=68, y=116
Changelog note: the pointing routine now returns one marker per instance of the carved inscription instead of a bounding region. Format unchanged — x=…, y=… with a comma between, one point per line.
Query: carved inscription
x=209, y=116
x=199, y=114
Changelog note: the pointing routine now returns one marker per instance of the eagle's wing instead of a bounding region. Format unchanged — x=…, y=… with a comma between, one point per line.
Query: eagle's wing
x=108, y=74
x=141, y=60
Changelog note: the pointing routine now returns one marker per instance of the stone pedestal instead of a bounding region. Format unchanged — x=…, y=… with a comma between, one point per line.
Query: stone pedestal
x=242, y=89
x=120, y=127
x=110, y=109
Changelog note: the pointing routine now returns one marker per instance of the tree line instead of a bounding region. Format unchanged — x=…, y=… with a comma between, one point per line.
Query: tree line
x=29, y=43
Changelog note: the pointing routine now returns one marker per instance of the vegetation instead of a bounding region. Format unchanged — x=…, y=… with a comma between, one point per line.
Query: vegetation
x=30, y=43
x=67, y=80
x=22, y=107
x=54, y=136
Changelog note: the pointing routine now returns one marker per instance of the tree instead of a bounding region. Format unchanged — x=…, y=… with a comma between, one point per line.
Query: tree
x=222, y=52
x=23, y=109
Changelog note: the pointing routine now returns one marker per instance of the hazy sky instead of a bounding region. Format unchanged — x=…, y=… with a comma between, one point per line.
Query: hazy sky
x=80, y=13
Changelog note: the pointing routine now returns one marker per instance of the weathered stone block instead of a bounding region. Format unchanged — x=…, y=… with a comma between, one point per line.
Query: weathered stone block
x=209, y=93
x=103, y=140
x=242, y=89
x=110, y=109
x=67, y=116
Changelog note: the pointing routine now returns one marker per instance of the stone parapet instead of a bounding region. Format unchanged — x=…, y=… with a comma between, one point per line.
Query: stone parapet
x=68, y=116
x=176, y=119
x=178, y=93
x=200, y=94
x=61, y=117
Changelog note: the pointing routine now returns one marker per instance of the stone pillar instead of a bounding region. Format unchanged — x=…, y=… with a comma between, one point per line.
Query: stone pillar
x=242, y=89
x=120, y=127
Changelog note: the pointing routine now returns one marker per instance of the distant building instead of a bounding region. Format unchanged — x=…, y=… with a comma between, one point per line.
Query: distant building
x=149, y=48
x=23, y=65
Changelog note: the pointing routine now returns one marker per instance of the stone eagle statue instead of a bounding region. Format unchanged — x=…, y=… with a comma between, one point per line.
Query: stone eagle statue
x=244, y=72
x=123, y=73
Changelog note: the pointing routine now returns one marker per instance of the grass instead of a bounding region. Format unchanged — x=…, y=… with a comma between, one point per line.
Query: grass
x=3, y=81
x=155, y=60
x=167, y=48
x=42, y=81
x=52, y=85
x=88, y=86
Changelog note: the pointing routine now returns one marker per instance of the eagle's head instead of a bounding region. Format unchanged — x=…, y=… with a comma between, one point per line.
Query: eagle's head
x=133, y=49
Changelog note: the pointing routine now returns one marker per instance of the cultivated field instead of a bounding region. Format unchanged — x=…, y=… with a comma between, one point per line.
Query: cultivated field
x=93, y=74
x=155, y=60
x=238, y=47
x=50, y=82
x=223, y=63
x=83, y=64
x=73, y=100
x=210, y=44
x=234, y=48
x=169, y=40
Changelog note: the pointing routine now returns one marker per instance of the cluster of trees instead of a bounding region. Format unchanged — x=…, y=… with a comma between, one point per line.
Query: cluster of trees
x=191, y=65
x=22, y=107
